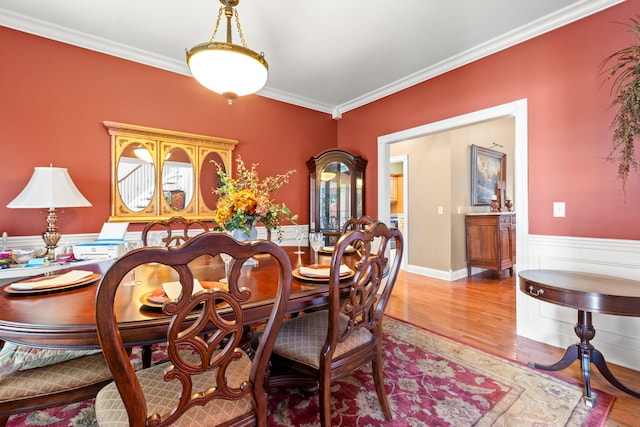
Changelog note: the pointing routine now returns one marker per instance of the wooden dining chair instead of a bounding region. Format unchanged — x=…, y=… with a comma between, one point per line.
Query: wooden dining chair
x=177, y=230
x=209, y=380
x=315, y=349
x=46, y=378
x=358, y=223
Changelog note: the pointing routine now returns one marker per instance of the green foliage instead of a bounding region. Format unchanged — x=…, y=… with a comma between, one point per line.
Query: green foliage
x=624, y=73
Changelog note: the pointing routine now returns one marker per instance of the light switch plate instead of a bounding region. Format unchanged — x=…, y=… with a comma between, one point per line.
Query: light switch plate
x=558, y=209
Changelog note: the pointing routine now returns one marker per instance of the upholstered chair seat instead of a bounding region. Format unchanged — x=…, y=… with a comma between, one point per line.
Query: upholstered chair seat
x=301, y=338
x=52, y=385
x=110, y=410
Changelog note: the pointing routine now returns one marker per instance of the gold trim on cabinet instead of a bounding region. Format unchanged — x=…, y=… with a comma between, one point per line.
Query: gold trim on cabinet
x=160, y=143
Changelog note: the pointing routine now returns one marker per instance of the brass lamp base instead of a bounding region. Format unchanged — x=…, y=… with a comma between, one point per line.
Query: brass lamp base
x=52, y=236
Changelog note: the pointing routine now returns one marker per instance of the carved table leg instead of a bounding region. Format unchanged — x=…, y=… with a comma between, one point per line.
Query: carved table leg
x=586, y=353
x=585, y=331
x=245, y=344
x=570, y=356
x=598, y=359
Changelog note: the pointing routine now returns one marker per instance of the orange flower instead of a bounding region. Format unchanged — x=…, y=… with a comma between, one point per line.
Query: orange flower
x=246, y=200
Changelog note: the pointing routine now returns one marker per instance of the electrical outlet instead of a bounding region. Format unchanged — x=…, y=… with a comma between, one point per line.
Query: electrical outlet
x=558, y=209
x=440, y=210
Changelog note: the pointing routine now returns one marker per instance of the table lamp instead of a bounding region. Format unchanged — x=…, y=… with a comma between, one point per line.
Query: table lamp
x=50, y=188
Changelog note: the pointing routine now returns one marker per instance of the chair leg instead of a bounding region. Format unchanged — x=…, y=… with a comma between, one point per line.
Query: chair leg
x=325, y=402
x=378, y=379
x=146, y=356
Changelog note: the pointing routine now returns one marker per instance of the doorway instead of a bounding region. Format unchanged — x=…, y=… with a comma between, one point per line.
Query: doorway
x=399, y=201
x=517, y=110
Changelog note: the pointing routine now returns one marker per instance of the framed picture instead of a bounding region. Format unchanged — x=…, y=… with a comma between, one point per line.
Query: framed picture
x=487, y=168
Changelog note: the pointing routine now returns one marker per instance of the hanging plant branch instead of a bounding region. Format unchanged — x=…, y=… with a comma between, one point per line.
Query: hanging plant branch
x=625, y=77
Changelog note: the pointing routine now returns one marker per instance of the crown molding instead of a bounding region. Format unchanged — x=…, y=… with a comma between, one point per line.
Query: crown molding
x=58, y=33
x=548, y=23
x=299, y=101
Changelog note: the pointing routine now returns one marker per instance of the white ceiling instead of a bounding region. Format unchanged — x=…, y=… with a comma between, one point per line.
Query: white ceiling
x=327, y=55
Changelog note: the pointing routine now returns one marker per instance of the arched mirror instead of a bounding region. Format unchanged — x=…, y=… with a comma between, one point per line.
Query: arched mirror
x=136, y=177
x=158, y=174
x=209, y=180
x=178, y=180
x=336, y=191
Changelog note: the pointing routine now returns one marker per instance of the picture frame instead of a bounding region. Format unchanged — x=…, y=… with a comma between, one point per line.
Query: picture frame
x=487, y=168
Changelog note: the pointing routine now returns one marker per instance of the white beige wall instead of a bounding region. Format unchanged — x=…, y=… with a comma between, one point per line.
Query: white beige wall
x=439, y=175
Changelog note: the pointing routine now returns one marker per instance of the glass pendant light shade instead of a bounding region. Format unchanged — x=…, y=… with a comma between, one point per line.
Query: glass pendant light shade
x=228, y=69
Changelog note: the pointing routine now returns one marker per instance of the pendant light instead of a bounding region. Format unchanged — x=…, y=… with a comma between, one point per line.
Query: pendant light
x=228, y=69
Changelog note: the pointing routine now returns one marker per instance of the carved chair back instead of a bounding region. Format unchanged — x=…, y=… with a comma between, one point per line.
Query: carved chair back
x=208, y=371
x=174, y=231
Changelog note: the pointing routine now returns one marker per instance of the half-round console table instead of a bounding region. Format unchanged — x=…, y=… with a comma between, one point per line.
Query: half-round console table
x=588, y=293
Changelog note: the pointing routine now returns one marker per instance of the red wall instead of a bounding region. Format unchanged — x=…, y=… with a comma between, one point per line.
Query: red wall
x=569, y=122
x=54, y=98
x=52, y=108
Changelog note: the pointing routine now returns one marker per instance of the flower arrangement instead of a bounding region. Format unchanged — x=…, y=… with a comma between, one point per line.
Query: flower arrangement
x=246, y=200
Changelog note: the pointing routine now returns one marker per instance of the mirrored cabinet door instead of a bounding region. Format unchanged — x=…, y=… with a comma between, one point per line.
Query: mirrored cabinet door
x=336, y=191
x=157, y=173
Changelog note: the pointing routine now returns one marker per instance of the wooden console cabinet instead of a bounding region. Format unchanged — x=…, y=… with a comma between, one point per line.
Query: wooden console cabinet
x=491, y=241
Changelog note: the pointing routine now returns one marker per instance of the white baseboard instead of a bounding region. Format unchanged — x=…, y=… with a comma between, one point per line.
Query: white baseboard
x=440, y=274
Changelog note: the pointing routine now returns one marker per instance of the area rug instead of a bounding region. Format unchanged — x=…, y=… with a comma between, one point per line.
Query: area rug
x=430, y=380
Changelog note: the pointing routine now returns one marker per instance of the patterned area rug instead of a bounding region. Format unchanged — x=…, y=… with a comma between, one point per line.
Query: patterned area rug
x=430, y=381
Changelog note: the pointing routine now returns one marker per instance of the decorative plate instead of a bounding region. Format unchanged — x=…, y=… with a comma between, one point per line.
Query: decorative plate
x=329, y=249
x=156, y=297
x=315, y=279
x=86, y=281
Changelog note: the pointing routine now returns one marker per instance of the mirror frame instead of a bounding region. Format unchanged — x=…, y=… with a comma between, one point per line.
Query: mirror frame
x=159, y=142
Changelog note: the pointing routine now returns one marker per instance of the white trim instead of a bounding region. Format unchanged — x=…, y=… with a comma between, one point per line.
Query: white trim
x=533, y=29
x=34, y=242
x=449, y=276
x=517, y=109
x=571, y=13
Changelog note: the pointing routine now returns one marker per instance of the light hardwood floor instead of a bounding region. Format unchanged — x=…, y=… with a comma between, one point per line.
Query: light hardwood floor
x=480, y=311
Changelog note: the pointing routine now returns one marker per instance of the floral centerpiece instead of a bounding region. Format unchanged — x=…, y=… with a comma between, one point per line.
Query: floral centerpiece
x=246, y=200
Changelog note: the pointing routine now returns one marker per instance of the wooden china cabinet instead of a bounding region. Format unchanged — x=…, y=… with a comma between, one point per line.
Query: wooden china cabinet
x=336, y=186
x=491, y=241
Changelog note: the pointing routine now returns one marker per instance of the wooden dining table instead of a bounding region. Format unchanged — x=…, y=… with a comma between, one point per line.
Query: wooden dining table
x=65, y=319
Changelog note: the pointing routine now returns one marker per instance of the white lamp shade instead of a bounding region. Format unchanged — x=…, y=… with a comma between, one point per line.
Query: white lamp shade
x=49, y=187
x=228, y=68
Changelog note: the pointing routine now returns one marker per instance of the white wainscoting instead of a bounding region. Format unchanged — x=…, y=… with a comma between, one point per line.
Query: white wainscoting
x=33, y=242
x=617, y=337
